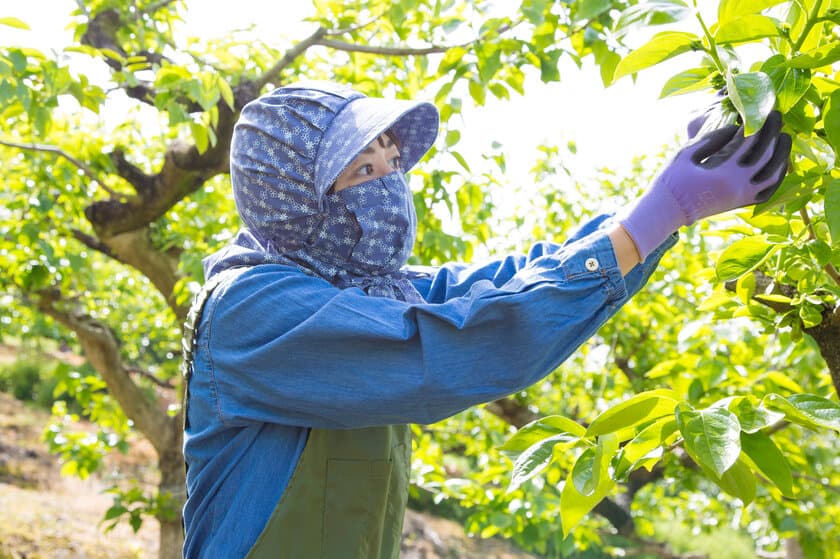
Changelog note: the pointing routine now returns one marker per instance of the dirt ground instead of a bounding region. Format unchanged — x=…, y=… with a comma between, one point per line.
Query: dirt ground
x=44, y=515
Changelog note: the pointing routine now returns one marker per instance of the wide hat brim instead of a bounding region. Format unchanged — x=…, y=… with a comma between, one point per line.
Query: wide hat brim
x=361, y=121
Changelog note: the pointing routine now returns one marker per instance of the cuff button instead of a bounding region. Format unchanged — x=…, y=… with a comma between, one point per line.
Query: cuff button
x=592, y=264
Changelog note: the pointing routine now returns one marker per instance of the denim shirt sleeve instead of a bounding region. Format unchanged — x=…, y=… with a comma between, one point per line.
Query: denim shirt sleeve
x=437, y=285
x=285, y=347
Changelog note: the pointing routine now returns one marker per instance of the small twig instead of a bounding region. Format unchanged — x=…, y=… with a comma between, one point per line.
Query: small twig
x=61, y=153
x=157, y=6
x=83, y=8
x=819, y=482
x=809, y=24
x=353, y=28
x=149, y=376
x=94, y=243
x=713, y=52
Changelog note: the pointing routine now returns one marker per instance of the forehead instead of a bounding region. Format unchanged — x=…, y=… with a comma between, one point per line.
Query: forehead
x=383, y=141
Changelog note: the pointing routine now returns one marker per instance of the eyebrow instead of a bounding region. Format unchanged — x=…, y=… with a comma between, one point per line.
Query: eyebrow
x=379, y=139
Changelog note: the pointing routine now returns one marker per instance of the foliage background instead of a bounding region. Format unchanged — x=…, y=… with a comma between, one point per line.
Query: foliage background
x=104, y=223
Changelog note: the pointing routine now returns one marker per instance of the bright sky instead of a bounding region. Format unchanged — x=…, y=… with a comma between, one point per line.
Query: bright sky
x=609, y=126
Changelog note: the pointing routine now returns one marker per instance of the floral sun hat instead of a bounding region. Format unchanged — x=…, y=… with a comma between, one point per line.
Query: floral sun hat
x=288, y=148
x=290, y=145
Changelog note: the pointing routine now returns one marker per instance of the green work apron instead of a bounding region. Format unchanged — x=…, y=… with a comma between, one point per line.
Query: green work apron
x=348, y=493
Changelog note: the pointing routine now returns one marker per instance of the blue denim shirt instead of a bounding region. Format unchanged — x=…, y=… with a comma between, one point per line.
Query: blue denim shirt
x=279, y=352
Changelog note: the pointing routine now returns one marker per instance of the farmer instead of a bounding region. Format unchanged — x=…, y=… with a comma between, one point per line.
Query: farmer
x=312, y=346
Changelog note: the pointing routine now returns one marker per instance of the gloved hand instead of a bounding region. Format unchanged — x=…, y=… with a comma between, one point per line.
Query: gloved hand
x=717, y=172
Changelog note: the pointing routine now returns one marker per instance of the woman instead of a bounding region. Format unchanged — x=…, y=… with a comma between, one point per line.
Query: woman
x=314, y=346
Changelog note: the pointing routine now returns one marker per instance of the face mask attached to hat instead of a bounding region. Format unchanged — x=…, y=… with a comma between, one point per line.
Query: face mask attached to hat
x=384, y=223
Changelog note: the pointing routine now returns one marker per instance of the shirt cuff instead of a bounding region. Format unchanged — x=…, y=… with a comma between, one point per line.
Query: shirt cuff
x=595, y=258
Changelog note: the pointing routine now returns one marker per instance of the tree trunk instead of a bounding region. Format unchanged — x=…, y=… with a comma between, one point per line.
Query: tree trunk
x=172, y=481
x=792, y=549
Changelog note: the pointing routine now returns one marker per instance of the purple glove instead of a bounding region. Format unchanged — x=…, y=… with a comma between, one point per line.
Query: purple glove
x=720, y=171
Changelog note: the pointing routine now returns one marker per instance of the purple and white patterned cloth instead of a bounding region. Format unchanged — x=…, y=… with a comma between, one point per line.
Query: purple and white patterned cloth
x=288, y=148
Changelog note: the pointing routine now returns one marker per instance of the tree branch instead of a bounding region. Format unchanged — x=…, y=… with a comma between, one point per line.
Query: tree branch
x=94, y=243
x=821, y=483
x=511, y=412
x=101, y=348
x=384, y=51
x=183, y=172
x=150, y=377
x=45, y=148
x=151, y=9
x=273, y=73
x=135, y=176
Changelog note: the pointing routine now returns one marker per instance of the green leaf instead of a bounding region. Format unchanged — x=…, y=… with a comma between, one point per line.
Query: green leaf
x=712, y=436
x=633, y=411
x=649, y=439
x=452, y=58
x=588, y=9
x=540, y=429
x=37, y=277
x=790, y=84
x=477, y=92
x=452, y=137
x=200, y=135
x=573, y=504
x=831, y=120
x=769, y=460
x=783, y=381
x=815, y=149
x=660, y=48
x=688, y=81
x=549, y=72
x=582, y=475
x=645, y=14
x=606, y=59
x=822, y=56
x=489, y=60
x=793, y=193
x=460, y=158
x=135, y=520
x=593, y=464
x=114, y=512
x=732, y=9
x=534, y=10
x=226, y=92
x=14, y=22
x=535, y=459
x=808, y=410
x=743, y=256
x=832, y=210
x=753, y=417
x=753, y=95
x=738, y=481
x=746, y=28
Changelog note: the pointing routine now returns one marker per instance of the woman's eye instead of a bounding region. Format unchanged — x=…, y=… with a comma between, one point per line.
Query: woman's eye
x=396, y=163
x=365, y=170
